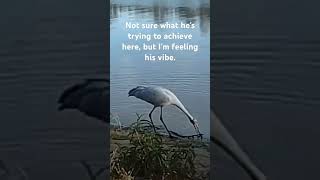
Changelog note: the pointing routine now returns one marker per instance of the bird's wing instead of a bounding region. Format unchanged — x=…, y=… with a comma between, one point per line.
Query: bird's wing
x=221, y=136
x=155, y=95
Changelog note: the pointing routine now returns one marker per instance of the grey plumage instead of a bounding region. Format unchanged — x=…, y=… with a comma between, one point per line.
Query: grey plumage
x=160, y=97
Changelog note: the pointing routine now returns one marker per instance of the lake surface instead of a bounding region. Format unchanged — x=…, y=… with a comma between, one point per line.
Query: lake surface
x=266, y=69
x=47, y=46
x=188, y=77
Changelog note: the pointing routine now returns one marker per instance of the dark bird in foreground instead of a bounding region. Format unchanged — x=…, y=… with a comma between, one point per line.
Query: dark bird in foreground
x=92, y=98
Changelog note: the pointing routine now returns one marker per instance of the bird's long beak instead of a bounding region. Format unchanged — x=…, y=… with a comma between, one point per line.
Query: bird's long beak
x=196, y=127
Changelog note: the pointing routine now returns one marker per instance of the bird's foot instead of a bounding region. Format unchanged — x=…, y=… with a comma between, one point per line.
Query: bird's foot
x=154, y=130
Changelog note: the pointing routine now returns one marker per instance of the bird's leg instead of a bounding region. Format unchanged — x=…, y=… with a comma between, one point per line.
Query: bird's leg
x=164, y=123
x=196, y=128
x=150, y=116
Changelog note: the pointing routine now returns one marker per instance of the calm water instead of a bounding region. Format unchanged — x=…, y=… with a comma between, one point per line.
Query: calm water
x=45, y=47
x=188, y=77
x=266, y=69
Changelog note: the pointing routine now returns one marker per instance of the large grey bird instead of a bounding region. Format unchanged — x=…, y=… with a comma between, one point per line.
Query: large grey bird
x=160, y=97
x=92, y=98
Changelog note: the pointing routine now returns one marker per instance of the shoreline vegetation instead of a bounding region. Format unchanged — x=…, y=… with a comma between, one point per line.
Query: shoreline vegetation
x=137, y=152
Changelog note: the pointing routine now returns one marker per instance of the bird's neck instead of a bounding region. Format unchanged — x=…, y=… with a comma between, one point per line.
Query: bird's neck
x=183, y=109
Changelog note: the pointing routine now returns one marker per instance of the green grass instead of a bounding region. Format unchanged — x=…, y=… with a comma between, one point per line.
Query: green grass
x=149, y=155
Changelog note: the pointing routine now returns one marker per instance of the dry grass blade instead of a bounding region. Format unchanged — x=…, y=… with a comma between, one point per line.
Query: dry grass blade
x=149, y=156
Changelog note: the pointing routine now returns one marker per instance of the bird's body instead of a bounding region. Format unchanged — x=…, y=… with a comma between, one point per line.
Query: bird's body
x=91, y=97
x=160, y=97
x=155, y=95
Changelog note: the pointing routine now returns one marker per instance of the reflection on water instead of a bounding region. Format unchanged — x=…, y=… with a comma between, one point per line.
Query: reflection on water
x=158, y=12
x=188, y=77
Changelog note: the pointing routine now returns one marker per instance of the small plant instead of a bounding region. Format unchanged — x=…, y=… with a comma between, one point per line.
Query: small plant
x=150, y=156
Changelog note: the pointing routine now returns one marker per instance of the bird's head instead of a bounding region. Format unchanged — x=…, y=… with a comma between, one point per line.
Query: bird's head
x=130, y=93
x=133, y=91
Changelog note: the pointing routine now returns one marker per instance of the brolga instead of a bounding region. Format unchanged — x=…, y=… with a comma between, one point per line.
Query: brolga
x=160, y=97
x=92, y=98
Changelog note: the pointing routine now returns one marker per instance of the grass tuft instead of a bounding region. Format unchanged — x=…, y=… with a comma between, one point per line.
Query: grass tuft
x=149, y=156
